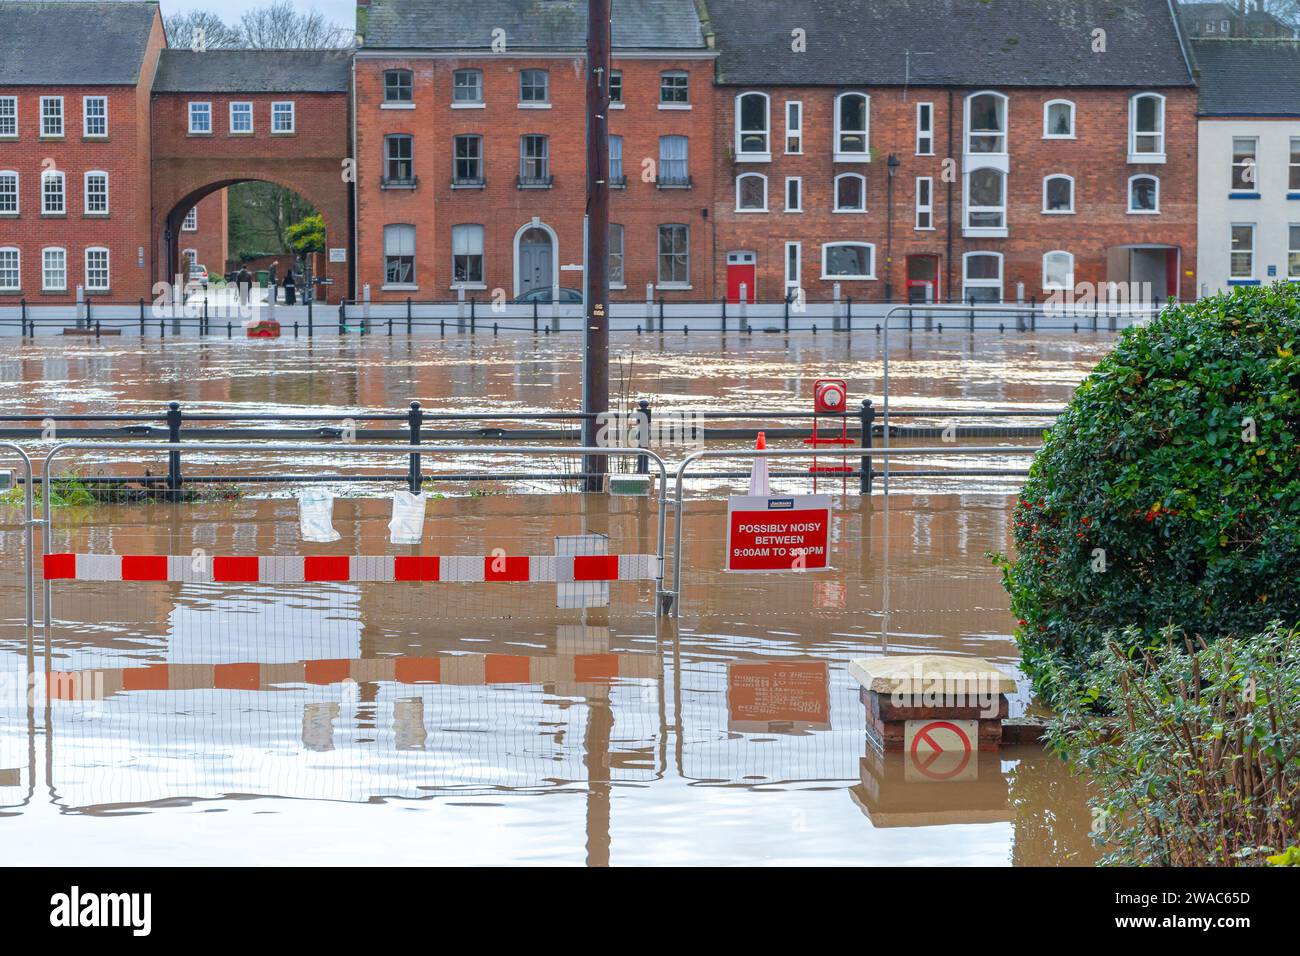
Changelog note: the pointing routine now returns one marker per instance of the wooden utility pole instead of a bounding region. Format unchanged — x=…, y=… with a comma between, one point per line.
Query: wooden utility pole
x=595, y=357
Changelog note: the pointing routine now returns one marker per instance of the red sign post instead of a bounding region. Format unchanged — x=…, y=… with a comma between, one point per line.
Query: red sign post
x=778, y=534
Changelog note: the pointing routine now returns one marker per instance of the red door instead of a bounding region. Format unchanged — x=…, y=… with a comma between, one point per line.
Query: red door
x=742, y=269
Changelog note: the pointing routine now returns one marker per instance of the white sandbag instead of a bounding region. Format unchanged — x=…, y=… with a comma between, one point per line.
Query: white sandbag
x=316, y=516
x=407, y=526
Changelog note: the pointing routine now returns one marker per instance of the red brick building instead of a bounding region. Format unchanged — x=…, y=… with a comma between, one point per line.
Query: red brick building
x=74, y=149
x=471, y=166
x=951, y=150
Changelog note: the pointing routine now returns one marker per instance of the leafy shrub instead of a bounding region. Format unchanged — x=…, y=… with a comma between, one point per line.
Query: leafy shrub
x=1169, y=491
x=1200, y=764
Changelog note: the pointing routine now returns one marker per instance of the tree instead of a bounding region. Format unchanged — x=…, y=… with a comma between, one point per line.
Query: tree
x=277, y=26
x=199, y=30
x=307, y=235
x=261, y=214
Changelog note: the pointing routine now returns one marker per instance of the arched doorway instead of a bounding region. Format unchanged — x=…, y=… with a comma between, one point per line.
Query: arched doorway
x=537, y=262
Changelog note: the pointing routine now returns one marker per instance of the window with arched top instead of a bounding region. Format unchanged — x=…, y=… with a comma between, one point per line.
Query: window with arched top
x=1144, y=195
x=1058, y=194
x=1146, y=128
x=852, y=128
x=1058, y=119
x=986, y=123
x=753, y=128
x=986, y=198
x=1058, y=270
x=850, y=192
x=751, y=193
x=982, y=277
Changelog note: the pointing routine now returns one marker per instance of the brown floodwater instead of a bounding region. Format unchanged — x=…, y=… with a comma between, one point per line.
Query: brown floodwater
x=472, y=723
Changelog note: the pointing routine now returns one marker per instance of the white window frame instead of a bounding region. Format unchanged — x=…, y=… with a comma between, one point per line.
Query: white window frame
x=1058, y=212
x=18, y=269
x=1143, y=212
x=18, y=192
x=764, y=156
x=108, y=275
x=846, y=156
x=1047, y=113
x=467, y=229
x=1005, y=133
x=1293, y=165
x=1069, y=283
x=58, y=174
x=827, y=246
x=675, y=104
x=9, y=106
x=748, y=175
x=545, y=102
x=926, y=208
x=794, y=131
x=1254, y=229
x=1157, y=156
x=85, y=117
x=85, y=197
x=968, y=283
x=924, y=129
x=990, y=231
x=191, y=221
x=45, y=286
x=190, y=112
x=1293, y=250
x=622, y=255
x=798, y=181
x=835, y=195
x=62, y=117
x=796, y=281
x=276, y=113
x=413, y=283
x=231, y=118
x=1253, y=162
x=674, y=283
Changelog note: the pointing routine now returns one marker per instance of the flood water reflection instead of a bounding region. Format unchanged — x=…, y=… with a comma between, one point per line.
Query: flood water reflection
x=479, y=723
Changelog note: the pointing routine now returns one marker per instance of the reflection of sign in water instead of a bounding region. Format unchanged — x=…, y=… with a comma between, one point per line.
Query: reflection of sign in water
x=941, y=749
x=778, y=692
x=778, y=534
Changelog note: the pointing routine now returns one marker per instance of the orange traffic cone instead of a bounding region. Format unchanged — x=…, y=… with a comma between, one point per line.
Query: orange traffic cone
x=758, y=484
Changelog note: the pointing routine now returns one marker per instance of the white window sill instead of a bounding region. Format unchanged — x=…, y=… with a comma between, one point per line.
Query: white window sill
x=852, y=157
x=241, y=132
x=468, y=286
x=849, y=212
x=617, y=285
x=399, y=287
x=753, y=157
x=618, y=106
x=1058, y=212
x=397, y=106
x=1058, y=136
x=923, y=228
x=827, y=278
x=931, y=153
x=789, y=211
x=283, y=132
x=1146, y=158
x=675, y=106
x=469, y=106
x=1144, y=212
x=764, y=209
x=534, y=106
x=984, y=233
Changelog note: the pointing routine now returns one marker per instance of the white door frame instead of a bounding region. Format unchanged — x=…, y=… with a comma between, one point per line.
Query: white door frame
x=536, y=223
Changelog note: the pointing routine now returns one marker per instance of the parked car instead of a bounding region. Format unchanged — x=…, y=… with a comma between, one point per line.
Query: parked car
x=198, y=277
x=543, y=296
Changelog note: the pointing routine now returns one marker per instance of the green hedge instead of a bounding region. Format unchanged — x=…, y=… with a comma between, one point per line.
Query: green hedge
x=1169, y=491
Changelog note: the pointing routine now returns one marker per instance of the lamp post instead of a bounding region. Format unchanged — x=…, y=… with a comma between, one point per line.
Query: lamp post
x=892, y=165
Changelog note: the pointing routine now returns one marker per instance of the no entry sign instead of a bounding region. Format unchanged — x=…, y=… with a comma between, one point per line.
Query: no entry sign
x=778, y=534
x=941, y=750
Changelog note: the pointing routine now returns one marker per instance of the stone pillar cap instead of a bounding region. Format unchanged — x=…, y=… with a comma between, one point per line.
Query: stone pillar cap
x=918, y=673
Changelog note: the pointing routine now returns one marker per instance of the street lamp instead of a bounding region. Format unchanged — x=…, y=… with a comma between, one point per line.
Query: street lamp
x=892, y=165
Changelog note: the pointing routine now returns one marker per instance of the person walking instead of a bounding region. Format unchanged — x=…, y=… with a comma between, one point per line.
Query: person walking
x=243, y=284
x=290, y=288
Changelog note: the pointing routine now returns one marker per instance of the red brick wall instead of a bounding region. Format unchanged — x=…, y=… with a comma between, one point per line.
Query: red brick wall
x=209, y=241
x=503, y=209
x=123, y=156
x=310, y=161
x=1097, y=159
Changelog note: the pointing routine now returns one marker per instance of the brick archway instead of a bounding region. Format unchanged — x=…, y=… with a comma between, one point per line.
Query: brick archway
x=196, y=180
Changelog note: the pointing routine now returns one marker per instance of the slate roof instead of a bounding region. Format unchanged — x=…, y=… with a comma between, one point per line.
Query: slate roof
x=953, y=42
x=1248, y=77
x=528, y=24
x=253, y=71
x=62, y=44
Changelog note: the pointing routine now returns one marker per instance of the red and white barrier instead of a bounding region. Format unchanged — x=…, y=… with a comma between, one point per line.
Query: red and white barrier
x=204, y=569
